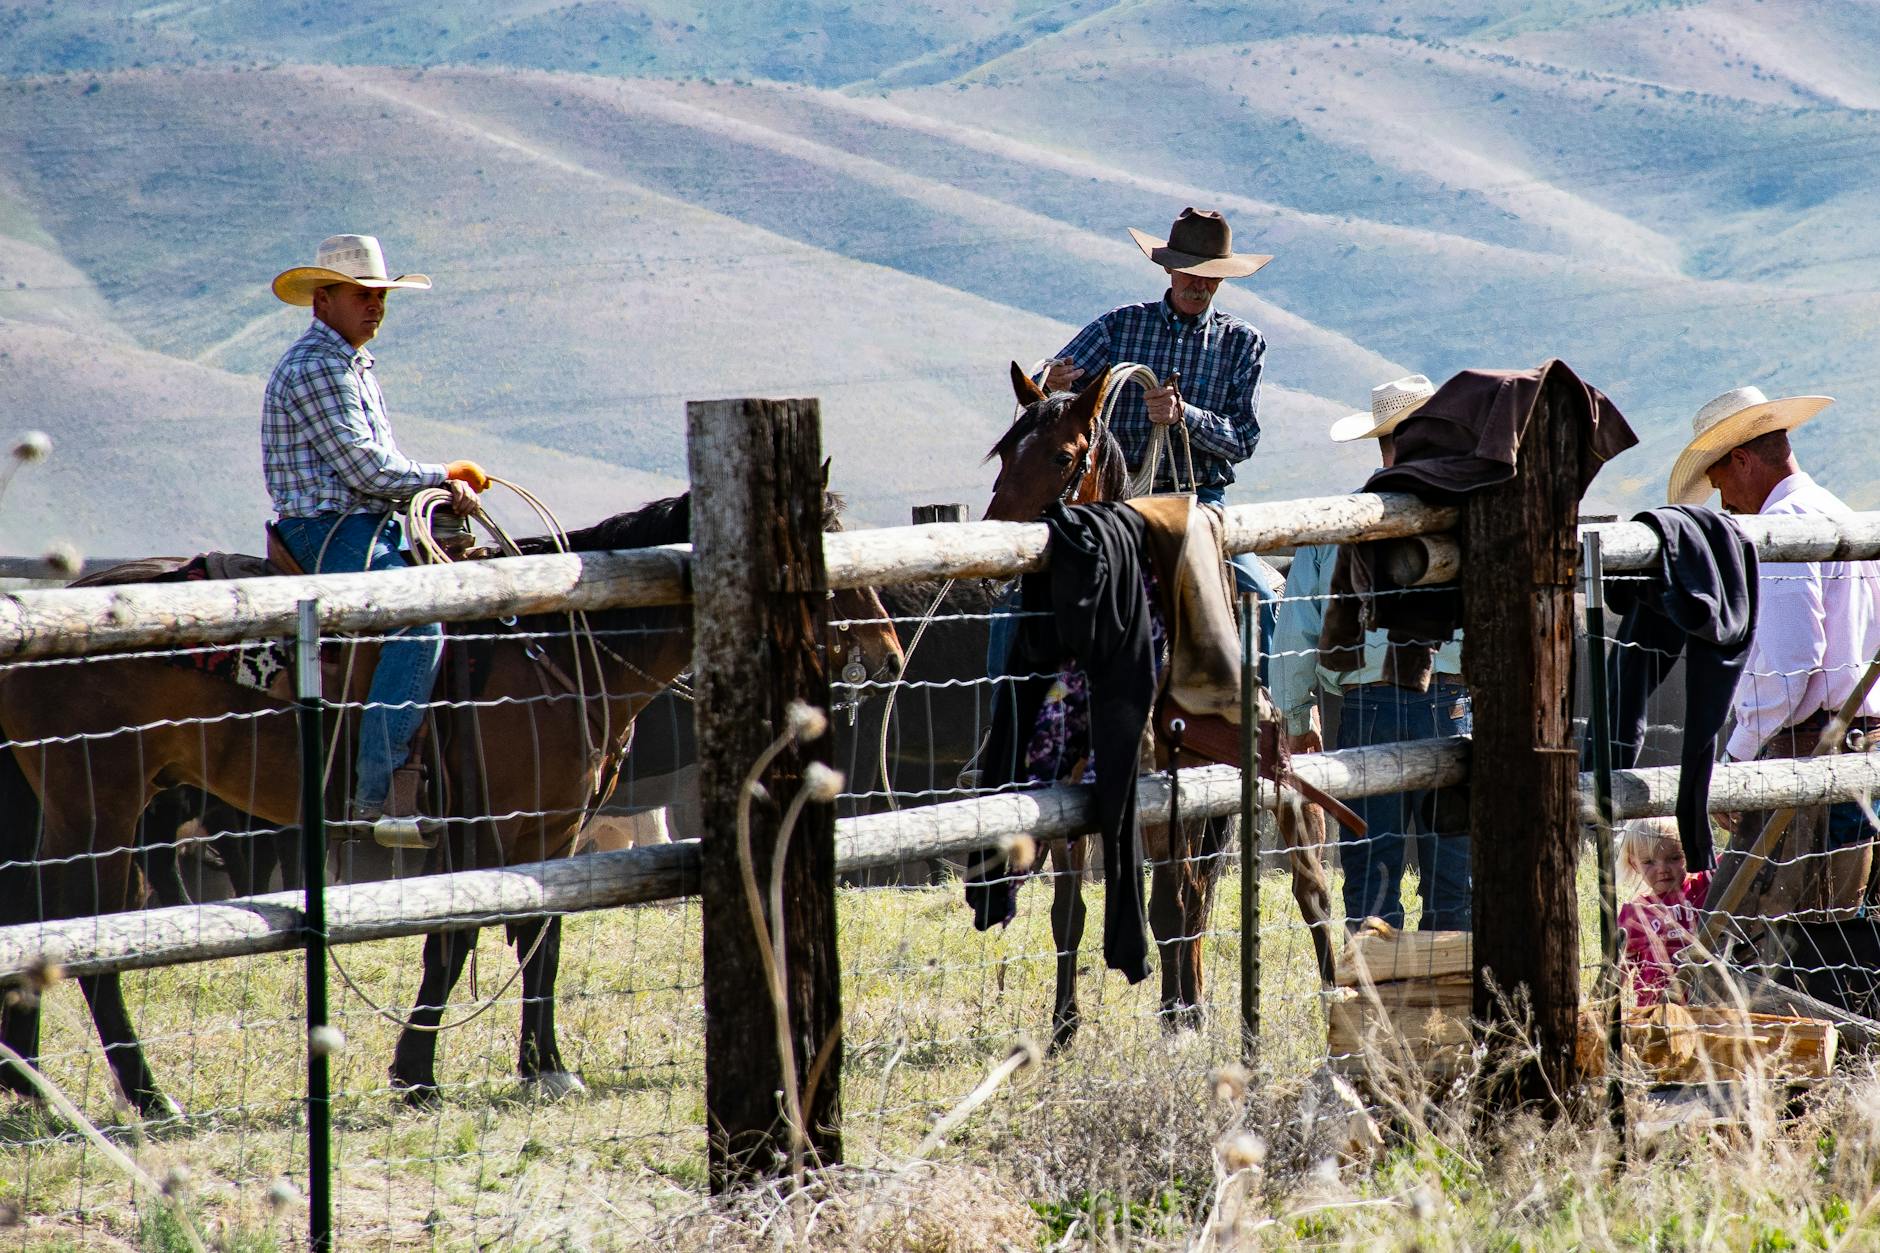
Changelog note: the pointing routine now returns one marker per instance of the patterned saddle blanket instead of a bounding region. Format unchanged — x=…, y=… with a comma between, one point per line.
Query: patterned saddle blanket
x=264, y=665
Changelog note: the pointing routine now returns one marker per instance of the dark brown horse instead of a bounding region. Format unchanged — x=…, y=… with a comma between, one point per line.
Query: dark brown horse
x=1058, y=450
x=77, y=782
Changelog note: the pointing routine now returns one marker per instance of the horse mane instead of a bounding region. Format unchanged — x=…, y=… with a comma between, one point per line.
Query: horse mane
x=667, y=521
x=1112, y=473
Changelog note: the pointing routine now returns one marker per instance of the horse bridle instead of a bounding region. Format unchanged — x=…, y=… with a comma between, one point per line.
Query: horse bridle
x=1081, y=469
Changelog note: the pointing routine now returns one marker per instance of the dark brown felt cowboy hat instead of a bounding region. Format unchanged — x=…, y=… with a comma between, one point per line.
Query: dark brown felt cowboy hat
x=1200, y=243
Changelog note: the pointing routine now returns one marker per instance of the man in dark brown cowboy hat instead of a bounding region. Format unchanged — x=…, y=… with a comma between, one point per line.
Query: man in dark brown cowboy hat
x=1218, y=356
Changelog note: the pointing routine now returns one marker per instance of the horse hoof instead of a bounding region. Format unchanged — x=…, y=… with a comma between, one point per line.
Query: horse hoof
x=418, y=1095
x=159, y=1107
x=1062, y=1033
x=553, y=1085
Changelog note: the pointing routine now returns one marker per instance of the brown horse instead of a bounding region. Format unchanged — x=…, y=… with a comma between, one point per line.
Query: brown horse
x=1058, y=450
x=528, y=739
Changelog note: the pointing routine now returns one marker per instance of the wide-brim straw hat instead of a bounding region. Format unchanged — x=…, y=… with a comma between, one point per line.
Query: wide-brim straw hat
x=1199, y=243
x=355, y=259
x=1731, y=420
x=1391, y=403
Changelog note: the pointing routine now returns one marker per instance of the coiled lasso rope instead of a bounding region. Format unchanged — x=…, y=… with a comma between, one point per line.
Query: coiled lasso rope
x=419, y=512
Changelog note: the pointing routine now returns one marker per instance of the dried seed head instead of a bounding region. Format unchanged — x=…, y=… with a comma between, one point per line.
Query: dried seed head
x=325, y=1041
x=176, y=1181
x=805, y=722
x=64, y=559
x=33, y=446
x=45, y=970
x=1230, y=1082
x=1027, y=1049
x=1242, y=1151
x=821, y=782
x=1422, y=1203
x=1020, y=851
x=282, y=1194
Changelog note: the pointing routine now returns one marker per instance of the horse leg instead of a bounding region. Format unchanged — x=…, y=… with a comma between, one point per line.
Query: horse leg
x=539, y=1062
x=1067, y=933
x=19, y=1030
x=157, y=831
x=123, y=1049
x=1167, y=852
x=414, y=1061
x=1302, y=827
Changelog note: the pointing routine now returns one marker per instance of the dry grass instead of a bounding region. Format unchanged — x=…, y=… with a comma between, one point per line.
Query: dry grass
x=1131, y=1139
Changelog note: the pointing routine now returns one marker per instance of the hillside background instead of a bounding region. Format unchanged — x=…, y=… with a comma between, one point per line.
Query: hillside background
x=628, y=205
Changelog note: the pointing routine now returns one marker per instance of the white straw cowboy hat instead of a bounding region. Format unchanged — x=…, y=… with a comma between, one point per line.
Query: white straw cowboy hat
x=1391, y=403
x=1200, y=243
x=1732, y=419
x=353, y=259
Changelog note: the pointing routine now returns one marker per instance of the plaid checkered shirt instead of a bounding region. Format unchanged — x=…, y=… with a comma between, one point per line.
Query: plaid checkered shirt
x=326, y=444
x=1220, y=358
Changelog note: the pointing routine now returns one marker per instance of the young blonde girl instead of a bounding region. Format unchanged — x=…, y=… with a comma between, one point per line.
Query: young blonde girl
x=1661, y=920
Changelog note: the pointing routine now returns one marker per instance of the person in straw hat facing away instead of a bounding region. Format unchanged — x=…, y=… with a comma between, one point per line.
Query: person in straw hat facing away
x=1375, y=710
x=1218, y=356
x=1817, y=626
x=337, y=479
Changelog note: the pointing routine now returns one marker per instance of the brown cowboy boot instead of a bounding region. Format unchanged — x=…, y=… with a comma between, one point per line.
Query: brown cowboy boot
x=400, y=825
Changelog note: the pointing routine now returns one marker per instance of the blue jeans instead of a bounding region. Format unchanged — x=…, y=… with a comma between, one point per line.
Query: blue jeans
x=1385, y=714
x=408, y=663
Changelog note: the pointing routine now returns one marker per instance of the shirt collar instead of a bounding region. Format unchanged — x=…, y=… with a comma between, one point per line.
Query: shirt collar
x=1799, y=481
x=337, y=342
x=1173, y=318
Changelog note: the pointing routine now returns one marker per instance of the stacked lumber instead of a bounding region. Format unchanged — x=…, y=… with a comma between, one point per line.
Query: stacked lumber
x=1722, y=1044
x=1401, y=1003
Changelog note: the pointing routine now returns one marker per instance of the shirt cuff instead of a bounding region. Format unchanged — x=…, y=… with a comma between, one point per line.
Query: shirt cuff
x=435, y=474
x=1742, y=745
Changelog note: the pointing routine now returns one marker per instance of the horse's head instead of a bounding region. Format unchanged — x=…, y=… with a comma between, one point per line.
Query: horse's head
x=1054, y=450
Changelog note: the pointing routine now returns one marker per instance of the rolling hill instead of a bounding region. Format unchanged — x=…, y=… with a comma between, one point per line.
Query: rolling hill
x=628, y=205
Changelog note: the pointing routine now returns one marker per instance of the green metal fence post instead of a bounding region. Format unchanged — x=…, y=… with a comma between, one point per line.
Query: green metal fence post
x=313, y=929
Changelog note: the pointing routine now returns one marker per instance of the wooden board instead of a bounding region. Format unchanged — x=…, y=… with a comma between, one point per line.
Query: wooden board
x=1381, y=955
x=1703, y=1044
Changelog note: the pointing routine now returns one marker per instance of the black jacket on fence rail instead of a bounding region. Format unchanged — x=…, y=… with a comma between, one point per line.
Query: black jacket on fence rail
x=1099, y=615
x=1698, y=602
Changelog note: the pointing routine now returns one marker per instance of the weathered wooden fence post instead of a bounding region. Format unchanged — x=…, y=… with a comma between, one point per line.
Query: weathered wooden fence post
x=1519, y=556
x=760, y=618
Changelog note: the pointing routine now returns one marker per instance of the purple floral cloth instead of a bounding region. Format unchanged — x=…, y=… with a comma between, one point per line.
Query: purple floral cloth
x=1061, y=736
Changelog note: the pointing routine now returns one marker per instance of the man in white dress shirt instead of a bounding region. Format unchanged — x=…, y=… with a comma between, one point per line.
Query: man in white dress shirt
x=1817, y=627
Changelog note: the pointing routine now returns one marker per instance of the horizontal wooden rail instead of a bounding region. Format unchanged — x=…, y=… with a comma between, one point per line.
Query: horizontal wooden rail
x=77, y=621
x=74, y=621
x=376, y=911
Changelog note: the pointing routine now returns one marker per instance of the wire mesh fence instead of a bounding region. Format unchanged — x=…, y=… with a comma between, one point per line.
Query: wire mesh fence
x=931, y=1003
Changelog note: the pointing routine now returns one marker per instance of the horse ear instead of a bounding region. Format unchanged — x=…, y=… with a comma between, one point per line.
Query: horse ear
x=1028, y=392
x=826, y=461
x=1090, y=400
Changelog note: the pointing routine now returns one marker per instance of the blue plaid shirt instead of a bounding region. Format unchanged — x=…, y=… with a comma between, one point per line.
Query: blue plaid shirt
x=326, y=444
x=1220, y=358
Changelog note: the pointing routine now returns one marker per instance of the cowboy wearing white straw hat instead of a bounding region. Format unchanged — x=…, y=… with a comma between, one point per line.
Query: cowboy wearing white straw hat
x=337, y=481
x=1375, y=709
x=1817, y=626
x=1209, y=359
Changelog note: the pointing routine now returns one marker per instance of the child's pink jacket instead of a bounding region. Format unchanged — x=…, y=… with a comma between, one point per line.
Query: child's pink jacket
x=1654, y=930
